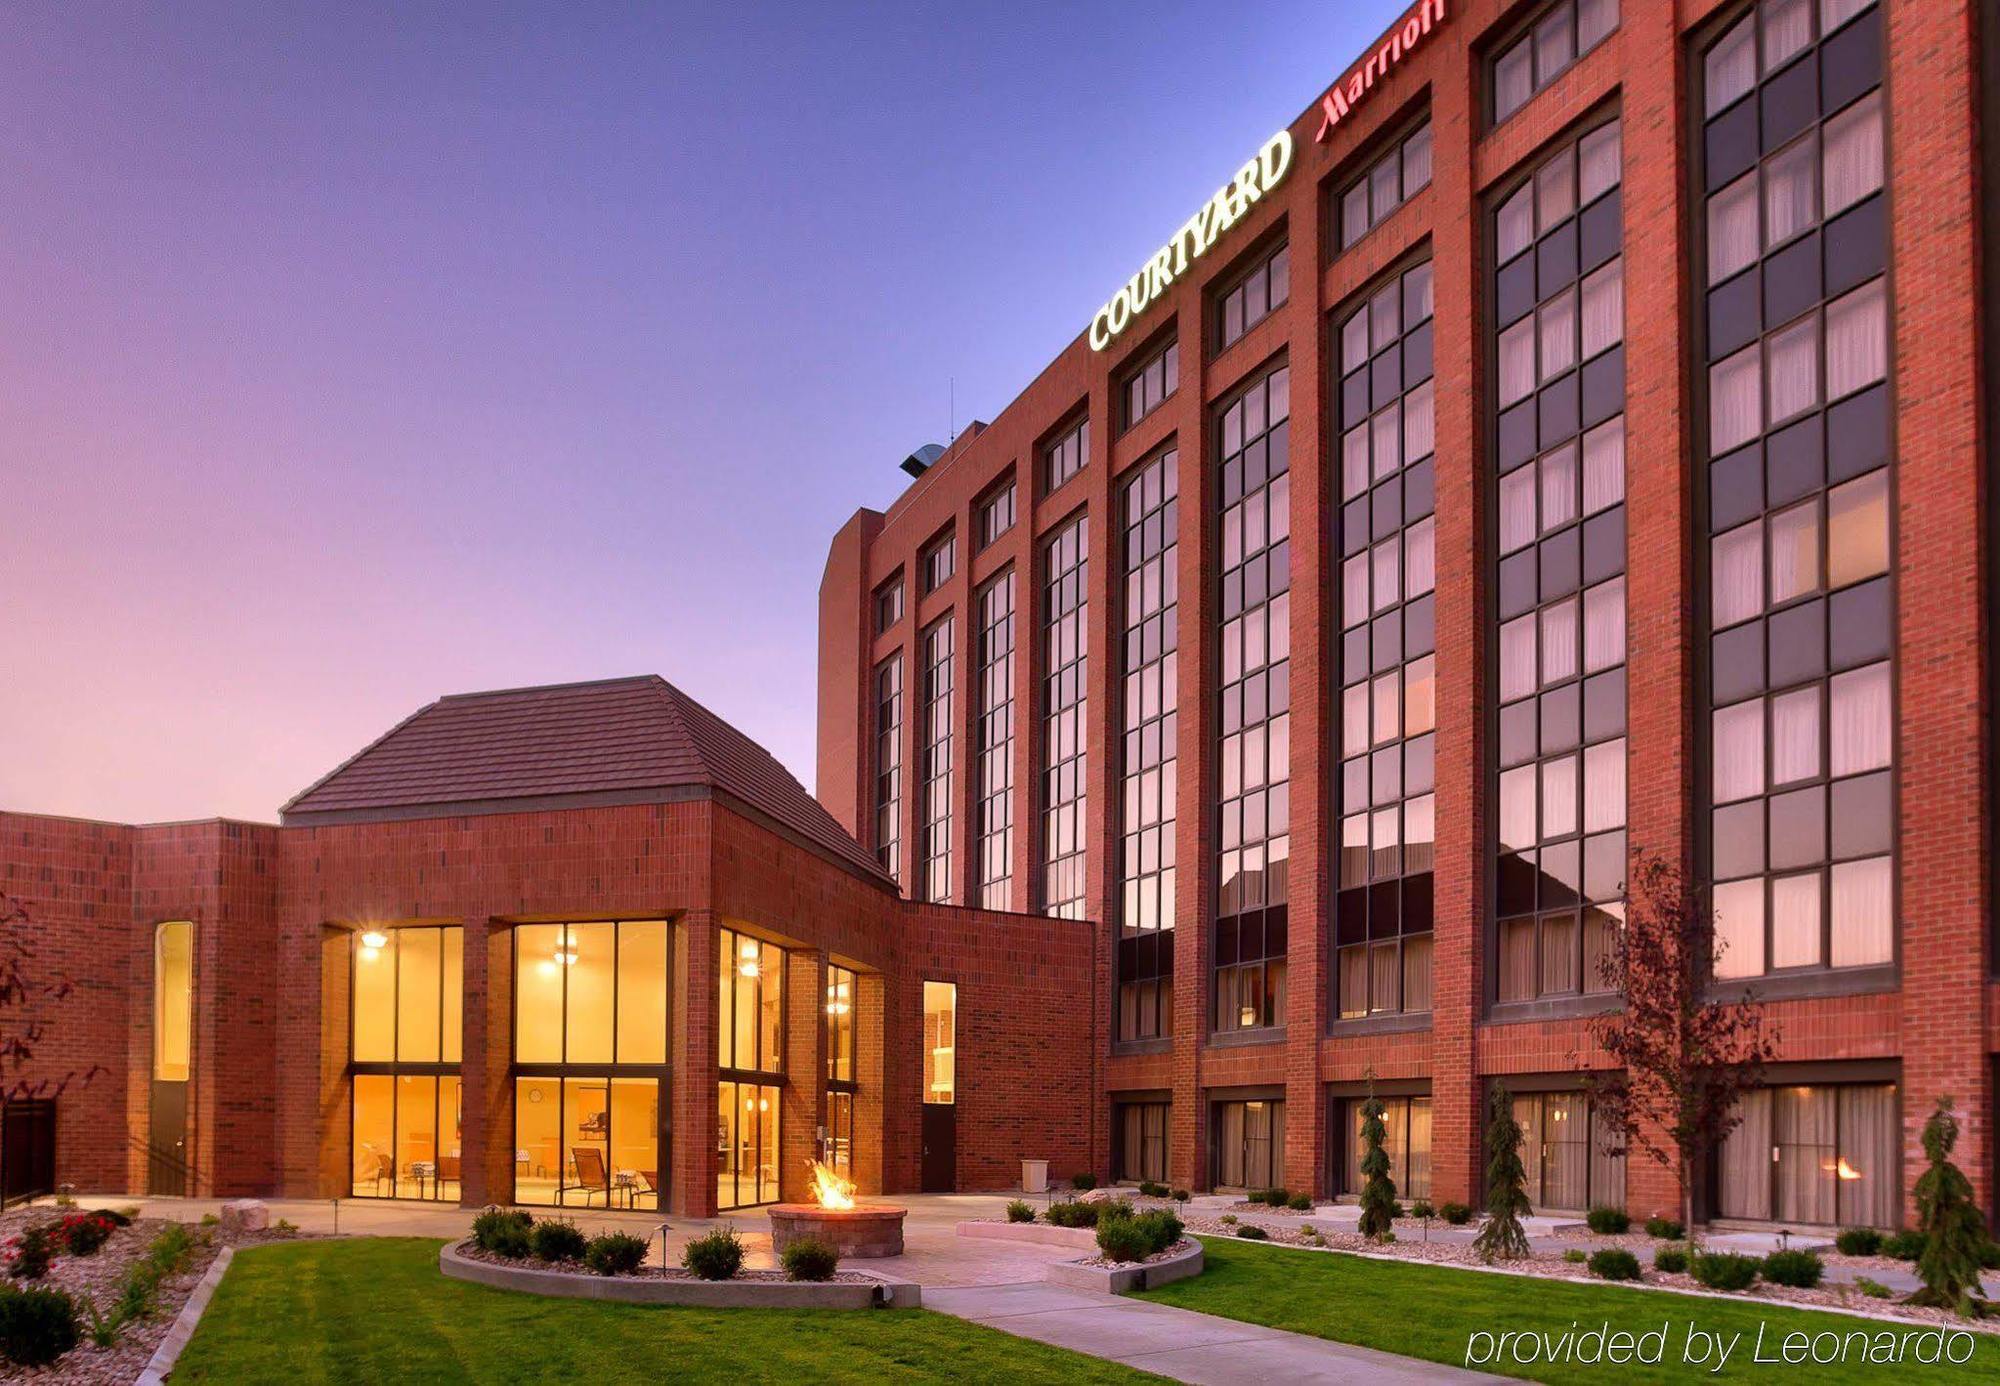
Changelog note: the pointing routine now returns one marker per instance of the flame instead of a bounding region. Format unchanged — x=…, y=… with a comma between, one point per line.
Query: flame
x=830, y=1189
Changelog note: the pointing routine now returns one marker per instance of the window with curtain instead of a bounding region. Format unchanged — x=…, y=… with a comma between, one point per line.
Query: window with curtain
x=1546, y=48
x=1065, y=636
x=993, y=735
x=1795, y=333
x=1065, y=456
x=1822, y=1154
x=940, y=648
x=1387, y=715
x=1560, y=596
x=1570, y=1153
x=1261, y=289
x=1139, y=1136
x=1247, y=1144
x=1254, y=734
x=1407, y=1125
x=1148, y=387
x=889, y=765
x=1399, y=174
x=1149, y=520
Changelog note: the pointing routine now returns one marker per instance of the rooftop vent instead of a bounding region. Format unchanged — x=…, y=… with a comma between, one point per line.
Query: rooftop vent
x=919, y=462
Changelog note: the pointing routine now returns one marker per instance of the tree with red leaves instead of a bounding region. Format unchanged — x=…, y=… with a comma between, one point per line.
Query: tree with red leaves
x=1684, y=1055
x=25, y=1003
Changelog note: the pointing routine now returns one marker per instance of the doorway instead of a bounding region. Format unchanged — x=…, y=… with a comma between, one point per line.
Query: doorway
x=166, y=1145
x=27, y=1149
x=940, y=1171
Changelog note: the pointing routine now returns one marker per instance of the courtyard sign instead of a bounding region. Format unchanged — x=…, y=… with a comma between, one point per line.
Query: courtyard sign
x=1349, y=91
x=1193, y=240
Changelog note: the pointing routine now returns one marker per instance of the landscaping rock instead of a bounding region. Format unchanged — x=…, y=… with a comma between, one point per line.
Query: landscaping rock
x=245, y=1215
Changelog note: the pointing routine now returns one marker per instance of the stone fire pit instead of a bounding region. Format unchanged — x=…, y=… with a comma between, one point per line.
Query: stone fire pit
x=856, y=1233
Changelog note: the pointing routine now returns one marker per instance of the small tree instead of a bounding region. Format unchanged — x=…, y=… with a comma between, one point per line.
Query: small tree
x=1506, y=1191
x=1684, y=1057
x=1951, y=1223
x=1378, y=1191
x=24, y=1021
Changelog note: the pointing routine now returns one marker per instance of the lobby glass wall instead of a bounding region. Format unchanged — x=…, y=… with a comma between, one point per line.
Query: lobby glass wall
x=750, y=1034
x=1148, y=780
x=841, y=997
x=590, y=1062
x=406, y=1024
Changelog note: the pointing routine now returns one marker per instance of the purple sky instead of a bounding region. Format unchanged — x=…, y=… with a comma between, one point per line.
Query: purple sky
x=352, y=360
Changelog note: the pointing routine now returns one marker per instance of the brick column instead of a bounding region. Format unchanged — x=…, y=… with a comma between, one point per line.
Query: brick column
x=805, y=1071
x=870, y=1000
x=486, y=1089
x=692, y=1127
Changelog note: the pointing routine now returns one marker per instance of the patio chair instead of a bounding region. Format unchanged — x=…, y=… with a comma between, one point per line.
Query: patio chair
x=448, y=1168
x=591, y=1175
x=385, y=1172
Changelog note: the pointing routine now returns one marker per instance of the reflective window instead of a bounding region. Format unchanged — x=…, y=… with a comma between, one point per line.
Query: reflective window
x=1149, y=515
x=1247, y=1145
x=1263, y=288
x=1406, y=1123
x=934, y=752
x=993, y=735
x=996, y=514
x=888, y=604
x=1570, y=1153
x=1546, y=48
x=1064, y=458
x=1139, y=1141
x=1823, y=1155
x=939, y=562
x=889, y=765
x=1065, y=637
x=1388, y=183
x=1147, y=388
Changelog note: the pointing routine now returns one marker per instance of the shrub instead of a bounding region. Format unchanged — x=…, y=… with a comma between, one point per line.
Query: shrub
x=1277, y=1198
x=1666, y=1229
x=85, y=1233
x=1083, y=1183
x=1162, y=1228
x=30, y=1255
x=37, y=1325
x=1858, y=1241
x=557, y=1241
x=512, y=1242
x=211, y=1219
x=1502, y=1236
x=1989, y=1256
x=1251, y=1232
x=122, y=1216
x=1904, y=1246
x=1457, y=1214
x=1229, y=1219
x=1123, y=1239
x=489, y=1225
x=1422, y=1209
x=718, y=1256
x=1114, y=1208
x=1607, y=1222
x=1300, y=1203
x=1724, y=1270
x=1151, y=1189
x=1070, y=1213
x=141, y=1285
x=1182, y=1195
x=1799, y=1269
x=1020, y=1210
x=1874, y=1289
x=1672, y=1260
x=1576, y=1256
x=809, y=1258
x=615, y=1253
x=1614, y=1263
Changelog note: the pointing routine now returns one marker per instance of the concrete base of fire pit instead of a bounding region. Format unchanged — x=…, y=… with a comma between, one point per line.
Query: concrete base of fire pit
x=856, y=1233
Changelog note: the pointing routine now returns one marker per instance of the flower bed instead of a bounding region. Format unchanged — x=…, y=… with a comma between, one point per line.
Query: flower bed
x=768, y=1289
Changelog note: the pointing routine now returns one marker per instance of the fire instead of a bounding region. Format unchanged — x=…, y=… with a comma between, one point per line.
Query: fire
x=830, y=1189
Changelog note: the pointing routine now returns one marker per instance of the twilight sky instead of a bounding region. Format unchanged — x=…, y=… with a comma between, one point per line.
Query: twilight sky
x=357, y=354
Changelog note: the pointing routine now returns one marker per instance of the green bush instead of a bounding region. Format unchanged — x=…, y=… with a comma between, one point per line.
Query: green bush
x=1162, y=1228
x=1989, y=1256
x=1300, y=1203
x=1724, y=1270
x=1576, y=1256
x=1874, y=1289
x=1083, y=1183
x=810, y=1259
x=1904, y=1246
x=1182, y=1195
x=1020, y=1210
x=1277, y=1198
x=36, y=1325
x=1671, y=1260
x=1457, y=1214
x=1799, y=1269
x=1251, y=1232
x=137, y=1292
x=84, y=1233
x=1422, y=1208
x=615, y=1253
x=1608, y=1222
x=1858, y=1241
x=1114, y=1208
x=1228, y=1219
x=1666, y=1229
x=1070, y=1213
x=1151, y=1189
x=557, y=1241
x=1614, y=1263
x=1123, y=1239
x=718, y=1256
x=489, y=1228
x=32, y=1252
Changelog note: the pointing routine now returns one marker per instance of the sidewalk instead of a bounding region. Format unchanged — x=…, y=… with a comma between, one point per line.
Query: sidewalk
x=1176, y=1343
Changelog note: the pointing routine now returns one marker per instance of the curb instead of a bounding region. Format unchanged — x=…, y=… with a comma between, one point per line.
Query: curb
x=169, y=1351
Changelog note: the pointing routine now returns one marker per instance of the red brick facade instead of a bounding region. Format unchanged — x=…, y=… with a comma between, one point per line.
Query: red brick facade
x=1935, y=1021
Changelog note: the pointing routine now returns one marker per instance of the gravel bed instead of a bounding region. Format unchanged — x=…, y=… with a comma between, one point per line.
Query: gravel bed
x=473, y=1252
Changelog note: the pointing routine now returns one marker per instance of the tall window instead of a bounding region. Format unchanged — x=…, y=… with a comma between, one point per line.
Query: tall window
x=939, y=650
x=889, y=604
x=173, y=1001
x=940, y=561
x=1406, y=1123
x=889, y=765
x=1389, y=182
x=1145, y=960
x=996, y=514
x=940, y=1055
x=1254, y=492
x=406, y=996
x=1560, y=517
x=1252, y=298
x=1562, y=34
x=1824, y=1154
x=1147, y=388
x=993, y=732
x=1567, y=1149
x=1247, y=1145
x=1796, y=339
x=1139, y=1141
x=590, y=1056
x=1064, y=458
x=1065, y=561
x=750, y=1032
x=842, y=995
x=1388, y=664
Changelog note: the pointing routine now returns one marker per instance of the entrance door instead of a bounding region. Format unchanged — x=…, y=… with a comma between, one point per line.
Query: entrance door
x=27, y=1149
x=940, y=1172
x=166, y=1159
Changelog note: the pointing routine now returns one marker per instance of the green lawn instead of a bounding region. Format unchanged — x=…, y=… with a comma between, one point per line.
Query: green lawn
x=376, y=1309
x=1431, y=1312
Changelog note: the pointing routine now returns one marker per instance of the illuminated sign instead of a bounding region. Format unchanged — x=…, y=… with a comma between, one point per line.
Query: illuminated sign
x=1351, y=89
x=1192, y=241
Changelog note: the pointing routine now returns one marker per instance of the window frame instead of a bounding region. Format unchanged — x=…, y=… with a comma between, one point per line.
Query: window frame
x=1523, y=32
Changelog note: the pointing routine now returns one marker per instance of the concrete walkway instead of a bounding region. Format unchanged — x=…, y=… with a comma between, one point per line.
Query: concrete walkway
x=1175, y=1343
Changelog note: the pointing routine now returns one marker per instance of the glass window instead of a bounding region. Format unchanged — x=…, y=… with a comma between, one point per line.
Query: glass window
x=1065, y=457
x=996, y=514
x=590, y=993
x=940, y=561
x=1247, y=1145
x=935, y=759
x=888, y=604
x=1148, y=387
x=1568, y=1152
x=173, y=1000
x=1547, y=47
x=1406, y=1124
x=1824, y=1154
x=1139, y=1141
x=842, y=996
x=750, y=1017
x=993, y=733
x=407, y=997
x=889, y=765
x=587, y=1141
x=940, y=1042
x=1262, y=289
x=1144, y=960
x=747, y=1143
x=1065, y=636
x=1403, y=169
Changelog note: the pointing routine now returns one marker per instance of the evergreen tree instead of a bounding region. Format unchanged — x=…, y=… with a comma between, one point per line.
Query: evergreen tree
x=1951, y=1223
x=1378, y=1191
x=1506, y=1195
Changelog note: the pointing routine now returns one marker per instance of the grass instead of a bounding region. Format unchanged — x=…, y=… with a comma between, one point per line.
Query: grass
x=376, y=1309
x=1430, y=1312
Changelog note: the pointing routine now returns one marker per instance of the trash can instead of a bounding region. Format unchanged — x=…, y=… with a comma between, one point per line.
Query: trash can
x=1034, y=1176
